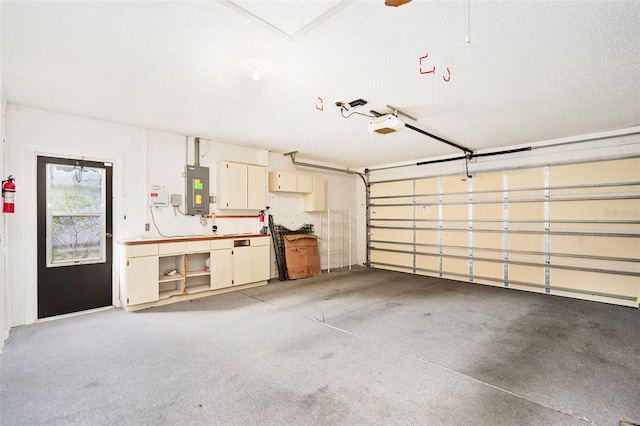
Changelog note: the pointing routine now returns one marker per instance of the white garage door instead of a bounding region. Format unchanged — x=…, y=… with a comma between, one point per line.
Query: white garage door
x=570, y=230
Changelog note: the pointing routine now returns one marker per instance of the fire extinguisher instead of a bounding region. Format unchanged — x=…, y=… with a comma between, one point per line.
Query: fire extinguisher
x=261, y=226
x=8, y=195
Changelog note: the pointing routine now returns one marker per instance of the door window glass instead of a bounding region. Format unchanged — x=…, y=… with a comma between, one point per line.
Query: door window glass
x=75, y=215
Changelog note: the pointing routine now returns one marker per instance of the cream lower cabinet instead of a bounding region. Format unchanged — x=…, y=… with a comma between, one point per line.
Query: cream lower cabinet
x=250, y=260
x=143, y=286
x=139, y=279
x=260, y=259
x=221, y=264
x=167, y=271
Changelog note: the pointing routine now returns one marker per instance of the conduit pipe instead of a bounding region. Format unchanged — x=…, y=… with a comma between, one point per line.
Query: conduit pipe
x=292, y=155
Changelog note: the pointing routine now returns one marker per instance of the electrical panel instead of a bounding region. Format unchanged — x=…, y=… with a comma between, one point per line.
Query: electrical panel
x=197, y=190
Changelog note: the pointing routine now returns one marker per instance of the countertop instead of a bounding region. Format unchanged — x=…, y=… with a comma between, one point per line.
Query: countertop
x=160, y=240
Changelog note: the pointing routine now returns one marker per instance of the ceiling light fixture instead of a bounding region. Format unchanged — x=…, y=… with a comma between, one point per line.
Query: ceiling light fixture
x=255, y=71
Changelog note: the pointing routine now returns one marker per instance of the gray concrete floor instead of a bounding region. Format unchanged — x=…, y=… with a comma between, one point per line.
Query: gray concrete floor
x=351, y=348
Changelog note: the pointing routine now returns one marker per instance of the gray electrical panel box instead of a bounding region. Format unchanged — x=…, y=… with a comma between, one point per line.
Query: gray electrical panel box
x=197, y=191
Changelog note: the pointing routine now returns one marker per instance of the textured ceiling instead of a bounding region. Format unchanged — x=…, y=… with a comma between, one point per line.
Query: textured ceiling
x=532, y=71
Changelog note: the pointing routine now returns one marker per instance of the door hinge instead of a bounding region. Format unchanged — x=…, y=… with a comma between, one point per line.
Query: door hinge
x=127, y=263
x=127, y=300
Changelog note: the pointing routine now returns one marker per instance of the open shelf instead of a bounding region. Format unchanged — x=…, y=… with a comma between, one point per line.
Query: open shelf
x=198, y=288
x=167, y=278
x=197, y=273
x=169, y=293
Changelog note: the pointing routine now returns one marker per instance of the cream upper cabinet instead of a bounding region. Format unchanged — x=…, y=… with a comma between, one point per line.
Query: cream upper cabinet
x=256, y=187
x=304, y=184
x=315, y=201
x=241, y=186
x=290, y=182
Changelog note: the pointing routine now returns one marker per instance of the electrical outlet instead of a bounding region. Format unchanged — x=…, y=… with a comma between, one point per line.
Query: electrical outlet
x=147, y=227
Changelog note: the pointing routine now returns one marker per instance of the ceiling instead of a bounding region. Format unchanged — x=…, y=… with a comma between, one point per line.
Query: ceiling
x=482, y=74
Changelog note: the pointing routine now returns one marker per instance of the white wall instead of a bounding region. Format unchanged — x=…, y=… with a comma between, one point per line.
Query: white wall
x=167, y=156
x=5, y=320
x=342, y=193
x=140, y=158
x=31, y=132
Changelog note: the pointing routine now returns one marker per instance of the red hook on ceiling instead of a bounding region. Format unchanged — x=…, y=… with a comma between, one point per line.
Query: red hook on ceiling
x=448, y=77
x=426, y=72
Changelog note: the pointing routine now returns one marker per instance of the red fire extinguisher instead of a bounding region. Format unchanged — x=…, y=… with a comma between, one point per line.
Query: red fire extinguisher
x=261, y=226
x=8, y=195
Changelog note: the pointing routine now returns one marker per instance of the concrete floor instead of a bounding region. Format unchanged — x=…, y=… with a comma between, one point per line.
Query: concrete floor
x=352, y=348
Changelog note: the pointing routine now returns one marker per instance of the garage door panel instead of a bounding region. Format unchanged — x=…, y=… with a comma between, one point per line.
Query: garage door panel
x=455, y=238
x=614, y=171
x=427, y=186
x=596, y=246
x=392, y=212
x=558, y=224
x=430, y=262
x=596, y=282
x=526, y=211
x=595, y=210
x=527, y=274
x=526, y=242
x=398, y=235
x=487, y=212
x=399, y=188
x=456, y=266
x=401, y=259
x=488, y=269
x=487, y=240
x=427, y=237
x=455, y=212
x=427, y=211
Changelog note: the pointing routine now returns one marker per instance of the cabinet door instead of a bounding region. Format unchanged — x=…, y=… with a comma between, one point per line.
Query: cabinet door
x=256, y=187
x=233, y=186
x=221, y=269
x=304, y=184
x=282, y=182
x=315, y=201
x=242, y=265
x=261, y=261
x=142, y=280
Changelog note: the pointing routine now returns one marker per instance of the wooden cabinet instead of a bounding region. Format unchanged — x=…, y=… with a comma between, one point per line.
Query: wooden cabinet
x=251, y=260
x=260, y=259
x=167, y=271
x=221, y=264
x=315, y=201
x=138, y=280
x=242, y=264
x=142, y=285
x=241, y=186
x=256, y=187
x=290, y=182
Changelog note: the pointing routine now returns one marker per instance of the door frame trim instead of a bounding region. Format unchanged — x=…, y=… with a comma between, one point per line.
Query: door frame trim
x=29, y=183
